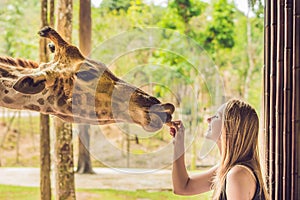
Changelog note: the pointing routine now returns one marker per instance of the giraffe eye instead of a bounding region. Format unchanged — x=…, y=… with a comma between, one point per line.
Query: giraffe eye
x=86, y=75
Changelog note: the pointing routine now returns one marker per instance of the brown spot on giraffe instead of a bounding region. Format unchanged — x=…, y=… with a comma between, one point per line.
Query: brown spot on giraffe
x=41, y=101
x=8, y=100
x=32, y=107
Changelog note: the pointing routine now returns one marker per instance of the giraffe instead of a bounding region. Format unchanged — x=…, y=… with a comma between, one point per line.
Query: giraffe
x=77, y=89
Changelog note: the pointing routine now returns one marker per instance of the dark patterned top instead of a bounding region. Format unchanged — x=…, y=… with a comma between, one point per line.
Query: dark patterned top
x=257, y=194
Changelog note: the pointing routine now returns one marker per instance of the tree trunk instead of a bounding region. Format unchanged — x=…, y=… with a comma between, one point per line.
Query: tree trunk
x=64, y=171
x=45, y=158
x=84, y=158
x=64, y=176
x=51, y=10
x=85, y=27
x=250, y=51
x=85, y=37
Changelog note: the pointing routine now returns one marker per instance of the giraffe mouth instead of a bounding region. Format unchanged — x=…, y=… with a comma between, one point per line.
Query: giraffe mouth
x=159, y=114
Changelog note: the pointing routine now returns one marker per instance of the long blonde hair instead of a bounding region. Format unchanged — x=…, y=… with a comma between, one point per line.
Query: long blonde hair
x=239, y=144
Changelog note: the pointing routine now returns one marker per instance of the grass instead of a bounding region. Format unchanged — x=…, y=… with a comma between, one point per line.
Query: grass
x=31, y=193
x=17, y=193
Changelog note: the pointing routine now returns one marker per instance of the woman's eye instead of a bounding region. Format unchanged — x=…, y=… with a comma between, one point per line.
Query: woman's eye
x=217, y=116
x=214, y=117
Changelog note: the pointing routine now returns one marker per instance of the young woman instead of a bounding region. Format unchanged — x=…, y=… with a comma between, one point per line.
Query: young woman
x=235, y=128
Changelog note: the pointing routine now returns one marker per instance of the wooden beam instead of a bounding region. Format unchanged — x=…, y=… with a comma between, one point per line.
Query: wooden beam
x=266, y=96
x=287, y=95
x=279, y=100
x=272, y=125
x=295, y=189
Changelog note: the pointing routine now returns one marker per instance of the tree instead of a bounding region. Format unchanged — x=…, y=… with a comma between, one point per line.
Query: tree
x=84, y=164
x=45, y=157
x=245, y=59
x=64, y=176
x=251, y=44
x=220, y=31
x=85, y=40
x=16, y=43
x=179, y=16
x=116, y=5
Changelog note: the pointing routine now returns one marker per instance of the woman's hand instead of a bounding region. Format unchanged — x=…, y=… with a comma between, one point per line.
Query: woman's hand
x=184, y=184
x=177, y=131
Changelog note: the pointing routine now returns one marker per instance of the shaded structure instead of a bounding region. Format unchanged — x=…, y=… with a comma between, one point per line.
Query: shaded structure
x=282, y=97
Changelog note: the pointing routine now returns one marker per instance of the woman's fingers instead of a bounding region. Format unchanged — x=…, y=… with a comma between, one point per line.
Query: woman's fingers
x=174, y=127
x=172, y=131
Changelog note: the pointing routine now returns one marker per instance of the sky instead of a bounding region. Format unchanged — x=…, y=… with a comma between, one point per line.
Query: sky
x=241, y=4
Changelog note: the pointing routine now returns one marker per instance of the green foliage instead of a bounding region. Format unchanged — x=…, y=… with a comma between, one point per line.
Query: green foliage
x=257, y=7
x=178, y=16
x=220, y=31
x=140, y=14
x=116, y=5
x=17, y=21
x=180, y=12
x=186, y=9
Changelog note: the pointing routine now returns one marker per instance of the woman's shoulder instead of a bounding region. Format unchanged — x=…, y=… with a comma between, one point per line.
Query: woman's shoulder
x=240, y=182
x=239, y=169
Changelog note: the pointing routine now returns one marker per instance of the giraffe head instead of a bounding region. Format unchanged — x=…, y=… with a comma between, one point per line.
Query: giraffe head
x=81, y=90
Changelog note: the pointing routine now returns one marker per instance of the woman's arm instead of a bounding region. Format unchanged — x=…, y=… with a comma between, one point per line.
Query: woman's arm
x=183, y=184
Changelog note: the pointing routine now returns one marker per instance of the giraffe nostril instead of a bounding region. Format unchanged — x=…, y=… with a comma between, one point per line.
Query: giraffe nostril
x=167, y=108
x=162, y=111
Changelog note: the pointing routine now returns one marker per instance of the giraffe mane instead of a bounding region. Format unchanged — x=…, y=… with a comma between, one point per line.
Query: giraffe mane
x=18, y=62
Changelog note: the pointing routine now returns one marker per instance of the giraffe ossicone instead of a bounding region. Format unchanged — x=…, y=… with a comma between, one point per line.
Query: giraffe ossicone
x=77, y=89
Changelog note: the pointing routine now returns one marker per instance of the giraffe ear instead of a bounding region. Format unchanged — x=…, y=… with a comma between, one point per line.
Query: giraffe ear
x=30, y=84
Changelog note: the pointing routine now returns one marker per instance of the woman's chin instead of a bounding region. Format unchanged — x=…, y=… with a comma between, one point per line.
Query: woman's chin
x=208, y=135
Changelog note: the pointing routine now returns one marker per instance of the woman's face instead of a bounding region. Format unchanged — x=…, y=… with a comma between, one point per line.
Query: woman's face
x=215, y=124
